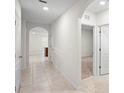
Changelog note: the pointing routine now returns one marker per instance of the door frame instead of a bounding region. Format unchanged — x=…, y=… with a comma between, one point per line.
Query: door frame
x=94, y=56
x=96, y=47
x=100, y=74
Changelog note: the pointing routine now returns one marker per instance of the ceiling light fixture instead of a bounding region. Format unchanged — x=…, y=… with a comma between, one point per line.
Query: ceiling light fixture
x=102, y=2
x=45, y=8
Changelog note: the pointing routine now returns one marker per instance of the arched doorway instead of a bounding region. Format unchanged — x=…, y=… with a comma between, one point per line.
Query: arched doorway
x=38, y=42
x=95, y=16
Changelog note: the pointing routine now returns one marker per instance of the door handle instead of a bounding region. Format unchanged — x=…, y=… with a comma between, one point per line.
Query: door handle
x=20, y=56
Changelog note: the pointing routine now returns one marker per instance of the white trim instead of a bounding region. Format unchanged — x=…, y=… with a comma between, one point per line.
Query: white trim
x=96, y=51
x=103, y=25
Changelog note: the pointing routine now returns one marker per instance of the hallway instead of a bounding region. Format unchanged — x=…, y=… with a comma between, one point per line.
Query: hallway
x=43, y=77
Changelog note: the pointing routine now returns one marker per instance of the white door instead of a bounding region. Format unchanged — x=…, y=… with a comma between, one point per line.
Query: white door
x=104, y=49
x=17, y=47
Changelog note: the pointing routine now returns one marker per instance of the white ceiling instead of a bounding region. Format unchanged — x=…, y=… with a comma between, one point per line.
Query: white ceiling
x=95, y=7
x=32, y=10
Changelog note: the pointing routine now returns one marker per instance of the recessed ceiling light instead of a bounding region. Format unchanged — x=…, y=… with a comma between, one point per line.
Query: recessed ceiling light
x=45, y=8
x=102, y=2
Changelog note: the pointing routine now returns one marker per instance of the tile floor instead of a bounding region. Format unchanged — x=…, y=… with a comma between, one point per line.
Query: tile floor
x=95, y=84
x=87, y=67
x=43, y=77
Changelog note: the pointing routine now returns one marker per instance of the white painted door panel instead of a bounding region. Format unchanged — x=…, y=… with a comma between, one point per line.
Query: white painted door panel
x=105, y=49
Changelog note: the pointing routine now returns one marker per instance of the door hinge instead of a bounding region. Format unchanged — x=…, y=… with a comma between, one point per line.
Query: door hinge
x=99, y=49
x=99, y=67
x=15, y=88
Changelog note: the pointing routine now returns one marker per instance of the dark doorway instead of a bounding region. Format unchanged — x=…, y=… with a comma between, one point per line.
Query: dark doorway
x=46, y=52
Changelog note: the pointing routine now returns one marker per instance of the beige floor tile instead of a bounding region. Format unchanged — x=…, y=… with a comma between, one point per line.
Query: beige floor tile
x=95, y=85
x=39, y=89
x=43, y=77
x=26, y=90
x=26, y=83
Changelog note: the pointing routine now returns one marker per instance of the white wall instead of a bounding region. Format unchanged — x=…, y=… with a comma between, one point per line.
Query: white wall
x=93, y=19
x=89, y=18
x=102, y=17
x=31, y=25
x=66, y=44
x=87, y=41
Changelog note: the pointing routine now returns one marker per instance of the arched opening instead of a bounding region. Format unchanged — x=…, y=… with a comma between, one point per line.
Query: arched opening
x=38, y=43
x=94, y=47
x=94, y=20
